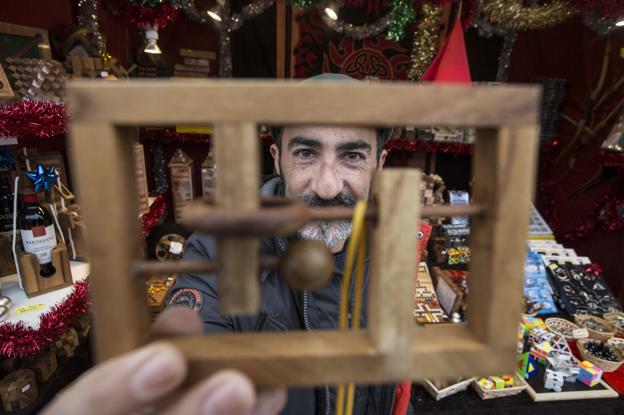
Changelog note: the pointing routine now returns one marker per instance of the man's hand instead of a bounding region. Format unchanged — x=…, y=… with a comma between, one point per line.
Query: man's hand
x=147, y=379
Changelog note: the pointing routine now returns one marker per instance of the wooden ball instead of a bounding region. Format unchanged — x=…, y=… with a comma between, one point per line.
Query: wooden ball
x=307, y=265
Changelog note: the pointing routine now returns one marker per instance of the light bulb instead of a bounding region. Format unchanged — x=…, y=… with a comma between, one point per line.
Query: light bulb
x=151, y=34
x=214, y=15
x=331, y=13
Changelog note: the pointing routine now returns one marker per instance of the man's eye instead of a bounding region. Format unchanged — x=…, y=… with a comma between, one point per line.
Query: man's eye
x=304, y=154
x=354, y=157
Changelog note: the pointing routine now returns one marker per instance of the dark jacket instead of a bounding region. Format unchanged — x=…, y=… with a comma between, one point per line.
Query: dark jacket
x=282, y=309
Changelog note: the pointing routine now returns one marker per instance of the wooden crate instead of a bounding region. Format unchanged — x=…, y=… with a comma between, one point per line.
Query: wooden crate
x=391, y=348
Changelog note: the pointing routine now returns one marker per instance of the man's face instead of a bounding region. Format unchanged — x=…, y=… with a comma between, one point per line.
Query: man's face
x=327, y=166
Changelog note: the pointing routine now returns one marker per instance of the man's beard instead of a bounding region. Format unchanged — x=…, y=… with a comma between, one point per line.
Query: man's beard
x=330, y=233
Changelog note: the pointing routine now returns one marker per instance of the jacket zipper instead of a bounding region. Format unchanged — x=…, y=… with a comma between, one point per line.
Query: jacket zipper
x=261, y=320
x=306, y=323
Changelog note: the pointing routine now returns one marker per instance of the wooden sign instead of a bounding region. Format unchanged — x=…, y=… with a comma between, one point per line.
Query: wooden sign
x=208, y=174
x=391, y=348
x=181, y=172
x=141, y=177
x=23, y=42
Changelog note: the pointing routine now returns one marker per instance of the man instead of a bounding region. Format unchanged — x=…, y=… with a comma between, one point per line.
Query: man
x=319, y=166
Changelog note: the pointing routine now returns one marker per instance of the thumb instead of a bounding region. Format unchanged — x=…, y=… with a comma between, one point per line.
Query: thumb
x=124, y=384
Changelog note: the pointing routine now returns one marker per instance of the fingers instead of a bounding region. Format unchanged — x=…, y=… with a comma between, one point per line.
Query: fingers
x=124, y=384
x=270, y=402
x=178, y=320
x=226, y=393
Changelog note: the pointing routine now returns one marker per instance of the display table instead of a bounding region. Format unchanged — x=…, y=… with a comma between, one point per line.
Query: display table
x=20, y=312
x=468, y=402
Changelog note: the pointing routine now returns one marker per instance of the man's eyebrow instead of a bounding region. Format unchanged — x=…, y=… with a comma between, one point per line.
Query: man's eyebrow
x=354, y=145
x=304, y=141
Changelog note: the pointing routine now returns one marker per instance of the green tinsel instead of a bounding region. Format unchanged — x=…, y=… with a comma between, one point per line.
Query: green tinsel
x=304, y=4
x=401, y=14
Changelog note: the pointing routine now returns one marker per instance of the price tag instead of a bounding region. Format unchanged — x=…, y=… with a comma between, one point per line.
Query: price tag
x=29, y=309
x=176, y=248
x=580, y=333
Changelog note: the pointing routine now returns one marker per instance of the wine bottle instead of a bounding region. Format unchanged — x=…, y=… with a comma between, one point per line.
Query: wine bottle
x=37, y=230
x=6, y=204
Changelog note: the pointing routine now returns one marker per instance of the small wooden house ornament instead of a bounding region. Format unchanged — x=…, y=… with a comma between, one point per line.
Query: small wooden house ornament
x=181, y=169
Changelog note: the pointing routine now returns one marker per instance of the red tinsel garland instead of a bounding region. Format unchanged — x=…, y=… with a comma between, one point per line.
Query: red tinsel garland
x=20, y=340
x=169, y=136
x=609, y=215
x=429, y=146
x=29, y=118
x=144, y=15
x=151, y=218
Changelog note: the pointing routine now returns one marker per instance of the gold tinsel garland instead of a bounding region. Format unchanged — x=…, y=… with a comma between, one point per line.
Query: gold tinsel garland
x=513, y=15
x=425, y=40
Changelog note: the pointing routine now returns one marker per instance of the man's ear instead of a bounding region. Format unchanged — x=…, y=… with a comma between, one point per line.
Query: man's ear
x=275, y=153
x=382, y=159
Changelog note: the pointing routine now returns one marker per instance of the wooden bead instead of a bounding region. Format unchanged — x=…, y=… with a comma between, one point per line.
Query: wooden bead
x=307, y=265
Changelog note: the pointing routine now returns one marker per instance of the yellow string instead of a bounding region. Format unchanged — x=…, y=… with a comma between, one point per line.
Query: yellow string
x=357, y=244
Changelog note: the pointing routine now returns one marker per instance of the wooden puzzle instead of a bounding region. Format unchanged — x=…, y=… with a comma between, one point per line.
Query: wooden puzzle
x=392, y=347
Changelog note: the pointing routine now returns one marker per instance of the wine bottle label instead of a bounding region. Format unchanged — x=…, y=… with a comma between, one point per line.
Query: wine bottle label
x=39, y=241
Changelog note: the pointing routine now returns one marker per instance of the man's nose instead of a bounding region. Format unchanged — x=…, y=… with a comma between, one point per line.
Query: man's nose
x=327, y=185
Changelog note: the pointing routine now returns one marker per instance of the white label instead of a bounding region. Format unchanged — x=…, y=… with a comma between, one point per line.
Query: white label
x=39, y=241
x=176, y=248
x=25, y=388
x=8, y=141
x=580, y=333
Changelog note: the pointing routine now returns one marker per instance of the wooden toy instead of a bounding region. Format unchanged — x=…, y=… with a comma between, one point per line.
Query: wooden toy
x=392, y=347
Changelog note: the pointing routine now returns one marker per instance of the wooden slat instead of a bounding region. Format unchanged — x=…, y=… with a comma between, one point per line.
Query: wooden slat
x=150, y=268
x=237, y=158
x=504, y=176
x=393, y=270
x=104, y=169
x=159, y=103
x=330, y=357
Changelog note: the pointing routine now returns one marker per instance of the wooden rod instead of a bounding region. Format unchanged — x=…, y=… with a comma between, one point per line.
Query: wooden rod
x=443, y=211
x=150, y=268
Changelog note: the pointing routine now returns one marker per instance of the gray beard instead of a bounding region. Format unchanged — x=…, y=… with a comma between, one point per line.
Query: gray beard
x=330, y=233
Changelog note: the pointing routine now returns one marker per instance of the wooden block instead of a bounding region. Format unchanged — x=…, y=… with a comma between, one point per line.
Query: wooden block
x=7, y=264
x=237, y=188
x=196, y=62
x=185, y=68
x=34, y=283
x=18, y=390
x=82, y=325
x=121, y=308
x=6, y=92
x=43, y=364
x=194, y=53
x=66, y=344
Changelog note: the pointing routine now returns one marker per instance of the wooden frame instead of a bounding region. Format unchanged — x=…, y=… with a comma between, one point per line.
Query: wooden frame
x=16, y=30
x=392, y=347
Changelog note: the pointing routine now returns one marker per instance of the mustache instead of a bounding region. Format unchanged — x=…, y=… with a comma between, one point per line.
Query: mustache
x=344, y=198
